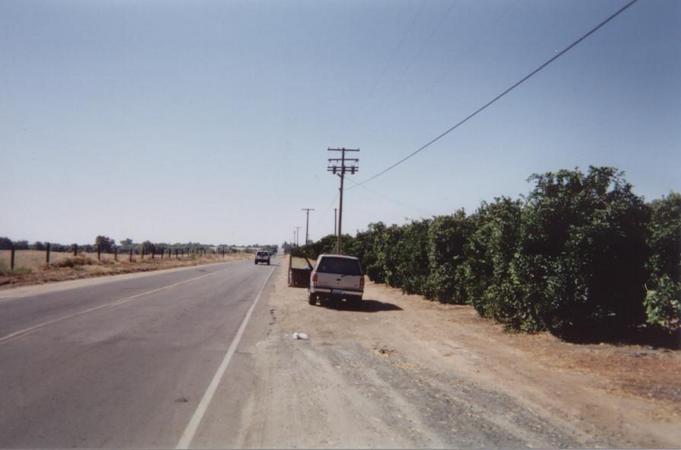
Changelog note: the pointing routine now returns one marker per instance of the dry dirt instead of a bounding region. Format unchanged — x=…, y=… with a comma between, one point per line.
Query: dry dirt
x=404, y=372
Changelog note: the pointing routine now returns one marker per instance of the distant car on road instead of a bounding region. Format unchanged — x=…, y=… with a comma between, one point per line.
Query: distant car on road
x=262, y=257
x=336, y=277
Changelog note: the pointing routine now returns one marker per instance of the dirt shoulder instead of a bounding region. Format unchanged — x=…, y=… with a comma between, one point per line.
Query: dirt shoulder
x=405, y=372
x=88, y=267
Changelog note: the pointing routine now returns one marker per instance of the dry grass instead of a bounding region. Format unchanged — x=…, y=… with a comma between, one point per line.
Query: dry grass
x=30, y=266
x=31, y=259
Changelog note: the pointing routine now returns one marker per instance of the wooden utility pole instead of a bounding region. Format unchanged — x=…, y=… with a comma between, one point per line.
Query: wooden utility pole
x=307, y=223
x=335, y=221
x=297, y=236
x=347, y=165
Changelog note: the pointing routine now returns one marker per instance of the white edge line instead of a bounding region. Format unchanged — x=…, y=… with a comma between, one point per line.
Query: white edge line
x=193, y=425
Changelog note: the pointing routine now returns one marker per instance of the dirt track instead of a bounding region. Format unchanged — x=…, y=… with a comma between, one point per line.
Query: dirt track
x=404, y=372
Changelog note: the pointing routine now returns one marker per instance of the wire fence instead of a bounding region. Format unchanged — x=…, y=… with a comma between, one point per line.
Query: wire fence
x=21, y=259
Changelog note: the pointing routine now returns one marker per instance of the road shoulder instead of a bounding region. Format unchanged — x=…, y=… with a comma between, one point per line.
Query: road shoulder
x=404, y=372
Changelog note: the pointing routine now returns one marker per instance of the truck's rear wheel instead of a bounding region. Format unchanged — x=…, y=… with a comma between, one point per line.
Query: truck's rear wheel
x=312, y=299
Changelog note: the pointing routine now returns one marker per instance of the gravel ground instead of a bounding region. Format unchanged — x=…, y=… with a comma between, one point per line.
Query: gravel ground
x=404, y=372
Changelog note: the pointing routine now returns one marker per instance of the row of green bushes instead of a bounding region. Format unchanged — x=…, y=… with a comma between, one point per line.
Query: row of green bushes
x=580, y=255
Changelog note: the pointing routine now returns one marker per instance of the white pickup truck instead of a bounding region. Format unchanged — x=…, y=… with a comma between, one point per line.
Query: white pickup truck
x=336, y=277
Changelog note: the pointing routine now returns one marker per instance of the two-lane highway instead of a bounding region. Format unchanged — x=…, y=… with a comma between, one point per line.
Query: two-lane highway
x=122, y=362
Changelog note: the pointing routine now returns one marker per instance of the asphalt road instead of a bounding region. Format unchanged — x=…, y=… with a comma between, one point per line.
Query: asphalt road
x=121, y=361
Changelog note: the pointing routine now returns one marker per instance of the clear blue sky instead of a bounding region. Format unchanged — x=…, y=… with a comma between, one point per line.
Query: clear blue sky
x=209, y=121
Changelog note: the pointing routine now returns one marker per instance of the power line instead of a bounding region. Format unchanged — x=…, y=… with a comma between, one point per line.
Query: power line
x=322, y=216
x=498, y=97
x=408, y=30
x=384, y=197
x=434, y=28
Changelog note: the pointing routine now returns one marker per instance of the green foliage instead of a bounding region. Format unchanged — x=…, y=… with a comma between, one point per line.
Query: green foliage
x=106, y=244
x=389, y=257
x=327, y=244
x=582, y=254
x=411, y=258
x=573, y=257
x=663, y=298
x=663, y=304
x=5, y=243
x=372, y=246
x=148, y=247
x=126, y=244
x=447, y=237
x=489, y=251
x=664, y=237
x=21, y=245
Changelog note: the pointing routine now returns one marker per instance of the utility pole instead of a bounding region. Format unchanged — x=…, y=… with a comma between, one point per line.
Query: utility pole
x=347, y=165
x=335, y=221
x=307, y=222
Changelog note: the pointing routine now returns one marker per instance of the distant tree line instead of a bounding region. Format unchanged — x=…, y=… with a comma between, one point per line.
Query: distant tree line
x=580, y=255
x=107, y=245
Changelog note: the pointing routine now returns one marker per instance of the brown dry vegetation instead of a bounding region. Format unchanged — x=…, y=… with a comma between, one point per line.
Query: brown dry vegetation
x=30, y=267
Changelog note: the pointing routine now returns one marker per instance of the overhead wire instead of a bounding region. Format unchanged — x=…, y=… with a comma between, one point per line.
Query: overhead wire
x=322, y=213
x=389, y=62
x=498, y=97
x=387, y=198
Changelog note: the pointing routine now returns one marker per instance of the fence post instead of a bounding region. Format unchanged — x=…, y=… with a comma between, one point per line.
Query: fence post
x=75, y=249
x=163, y=252
x=153, y=252
x=47, y=254
x=99, y=252
x=142, y=254
x=11, y=258
x=130, y=257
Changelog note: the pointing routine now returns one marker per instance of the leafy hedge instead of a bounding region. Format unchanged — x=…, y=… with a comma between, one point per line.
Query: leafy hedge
x=663, y=296
x=580, y=255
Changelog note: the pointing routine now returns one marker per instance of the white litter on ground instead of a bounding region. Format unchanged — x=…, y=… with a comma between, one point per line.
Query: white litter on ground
x=300, y=335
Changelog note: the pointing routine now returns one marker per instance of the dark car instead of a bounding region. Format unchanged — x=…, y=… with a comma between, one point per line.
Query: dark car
x=262, y=257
